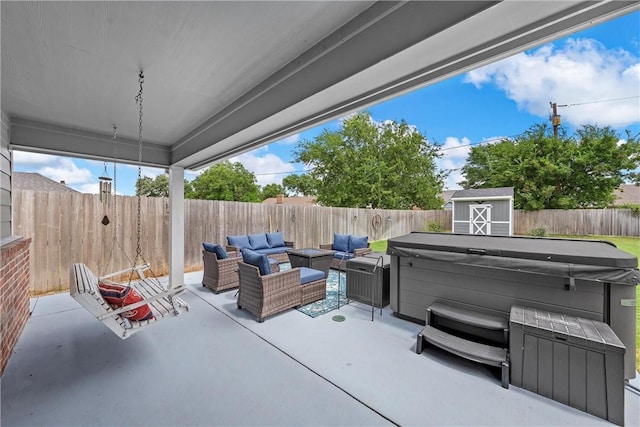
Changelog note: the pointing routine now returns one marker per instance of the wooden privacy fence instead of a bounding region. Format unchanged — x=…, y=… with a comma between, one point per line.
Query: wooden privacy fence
x=66, y=228
x=579, y=222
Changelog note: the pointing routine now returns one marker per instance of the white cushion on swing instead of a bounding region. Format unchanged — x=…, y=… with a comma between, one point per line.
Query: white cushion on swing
x=83, y=287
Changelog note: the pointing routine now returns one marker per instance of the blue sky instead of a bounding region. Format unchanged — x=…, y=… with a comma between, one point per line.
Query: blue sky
x=595, y=73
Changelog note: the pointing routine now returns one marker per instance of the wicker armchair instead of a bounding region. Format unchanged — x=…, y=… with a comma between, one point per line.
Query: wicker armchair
x=265, y=295
x=220, y=274
x=341, y=264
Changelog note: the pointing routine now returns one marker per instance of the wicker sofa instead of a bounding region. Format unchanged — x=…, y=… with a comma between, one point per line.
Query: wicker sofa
x=270, y=244
x=346, y=246
x=266, y=294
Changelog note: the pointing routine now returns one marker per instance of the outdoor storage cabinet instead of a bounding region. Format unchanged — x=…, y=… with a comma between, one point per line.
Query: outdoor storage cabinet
x=582, y=278
x=576, y=361
x=362, y=280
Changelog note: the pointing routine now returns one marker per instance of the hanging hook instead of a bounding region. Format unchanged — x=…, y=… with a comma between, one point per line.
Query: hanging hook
x=140, y=81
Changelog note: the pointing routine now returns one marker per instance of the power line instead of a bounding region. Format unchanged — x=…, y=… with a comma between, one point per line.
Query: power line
x=596, y=102
x=471, y=144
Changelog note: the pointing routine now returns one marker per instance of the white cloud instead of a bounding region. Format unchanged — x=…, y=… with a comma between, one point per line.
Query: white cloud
x=146, y=171
x=33, y=159
x=268, y=169
x=91, y=188
x=582, y=71
x=451, y=183
x=454, y=154
x=67, y=171
x=58, y=169
x=456, y=148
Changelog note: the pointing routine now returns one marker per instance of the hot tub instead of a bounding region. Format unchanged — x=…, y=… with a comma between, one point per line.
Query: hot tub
x=583, y=278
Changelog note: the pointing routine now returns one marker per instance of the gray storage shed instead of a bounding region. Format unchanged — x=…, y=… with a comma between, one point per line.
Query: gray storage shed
x=490, y=274
x=483, y=211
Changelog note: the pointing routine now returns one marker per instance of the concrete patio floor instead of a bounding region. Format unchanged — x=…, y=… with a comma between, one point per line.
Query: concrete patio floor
x=216, y=365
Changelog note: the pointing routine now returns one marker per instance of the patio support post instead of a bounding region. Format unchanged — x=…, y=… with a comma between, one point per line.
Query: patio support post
x=176, y=226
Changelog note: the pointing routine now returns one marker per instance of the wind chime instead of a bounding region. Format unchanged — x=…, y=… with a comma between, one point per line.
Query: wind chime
x=105, y=186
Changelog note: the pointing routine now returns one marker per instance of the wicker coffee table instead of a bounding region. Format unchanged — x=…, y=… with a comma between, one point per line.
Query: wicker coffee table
x=318, y=259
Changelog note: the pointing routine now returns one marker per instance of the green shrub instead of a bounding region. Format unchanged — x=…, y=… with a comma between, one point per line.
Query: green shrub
x=635, y=209
x=538, y=232
x=435, y=227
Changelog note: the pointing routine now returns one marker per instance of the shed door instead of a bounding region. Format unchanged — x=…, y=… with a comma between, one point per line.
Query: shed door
x=480, y=219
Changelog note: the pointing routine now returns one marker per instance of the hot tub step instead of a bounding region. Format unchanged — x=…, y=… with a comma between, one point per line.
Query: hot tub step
x=481, y=353
x=473, y=318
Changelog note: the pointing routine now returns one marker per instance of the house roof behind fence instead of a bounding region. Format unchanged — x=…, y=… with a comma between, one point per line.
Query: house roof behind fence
x=294, y=201
x=627, y=194
x=36, y=182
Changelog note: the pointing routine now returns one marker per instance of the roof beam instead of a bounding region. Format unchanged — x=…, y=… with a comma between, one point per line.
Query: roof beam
x=39, y=137
x=375, y=35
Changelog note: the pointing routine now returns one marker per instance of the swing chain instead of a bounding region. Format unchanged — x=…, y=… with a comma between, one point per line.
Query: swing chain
x=139, y=102
x=115, y=190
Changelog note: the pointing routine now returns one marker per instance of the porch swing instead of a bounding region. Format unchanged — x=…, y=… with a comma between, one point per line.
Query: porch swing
x=125, y=308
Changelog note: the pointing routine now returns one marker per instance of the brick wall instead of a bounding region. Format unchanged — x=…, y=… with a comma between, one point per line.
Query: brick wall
x=14, y=295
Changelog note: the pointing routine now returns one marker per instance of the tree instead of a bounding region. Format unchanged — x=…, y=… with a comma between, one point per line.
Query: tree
x=302, y=185
x=158, y=186
x=271, y=190
x=225, y=181
x=386, y=165
x=153, y=187
x=555, y=173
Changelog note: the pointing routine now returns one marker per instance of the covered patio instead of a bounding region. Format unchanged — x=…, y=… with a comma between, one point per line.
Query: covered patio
x=217, y=366
x=221, y=78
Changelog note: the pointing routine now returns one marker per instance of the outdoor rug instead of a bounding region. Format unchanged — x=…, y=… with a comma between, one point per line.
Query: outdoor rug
x=330, y=303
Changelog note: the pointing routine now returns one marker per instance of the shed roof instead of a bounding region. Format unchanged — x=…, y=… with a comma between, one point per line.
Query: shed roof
x=36, y=182
x=506, y=192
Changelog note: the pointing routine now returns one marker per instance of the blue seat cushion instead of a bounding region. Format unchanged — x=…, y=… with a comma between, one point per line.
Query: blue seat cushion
x=240, y=242
x=215, y=248
x=340, y=242
x=258, y=260
x=356, y=242
x=310, y=275
x=275, y=240
x=342, y=254
x=258, y=241
x=269, y=251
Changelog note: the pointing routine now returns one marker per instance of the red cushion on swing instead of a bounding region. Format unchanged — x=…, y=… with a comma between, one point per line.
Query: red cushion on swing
x=120, y=295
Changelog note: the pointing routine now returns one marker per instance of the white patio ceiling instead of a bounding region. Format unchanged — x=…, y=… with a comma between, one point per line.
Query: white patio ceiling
x=225, y=77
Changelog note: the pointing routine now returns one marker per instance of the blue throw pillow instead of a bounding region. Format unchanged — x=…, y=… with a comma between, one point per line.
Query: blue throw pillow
x=217, y=249
x=209, y=247
x=258, y=241
x=276, y=240
x=259, y=260
x=341, y=242
x=356, y=242
x=240, y=242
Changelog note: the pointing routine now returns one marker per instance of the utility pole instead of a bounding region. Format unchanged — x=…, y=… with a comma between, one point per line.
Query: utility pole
x=555, y=119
